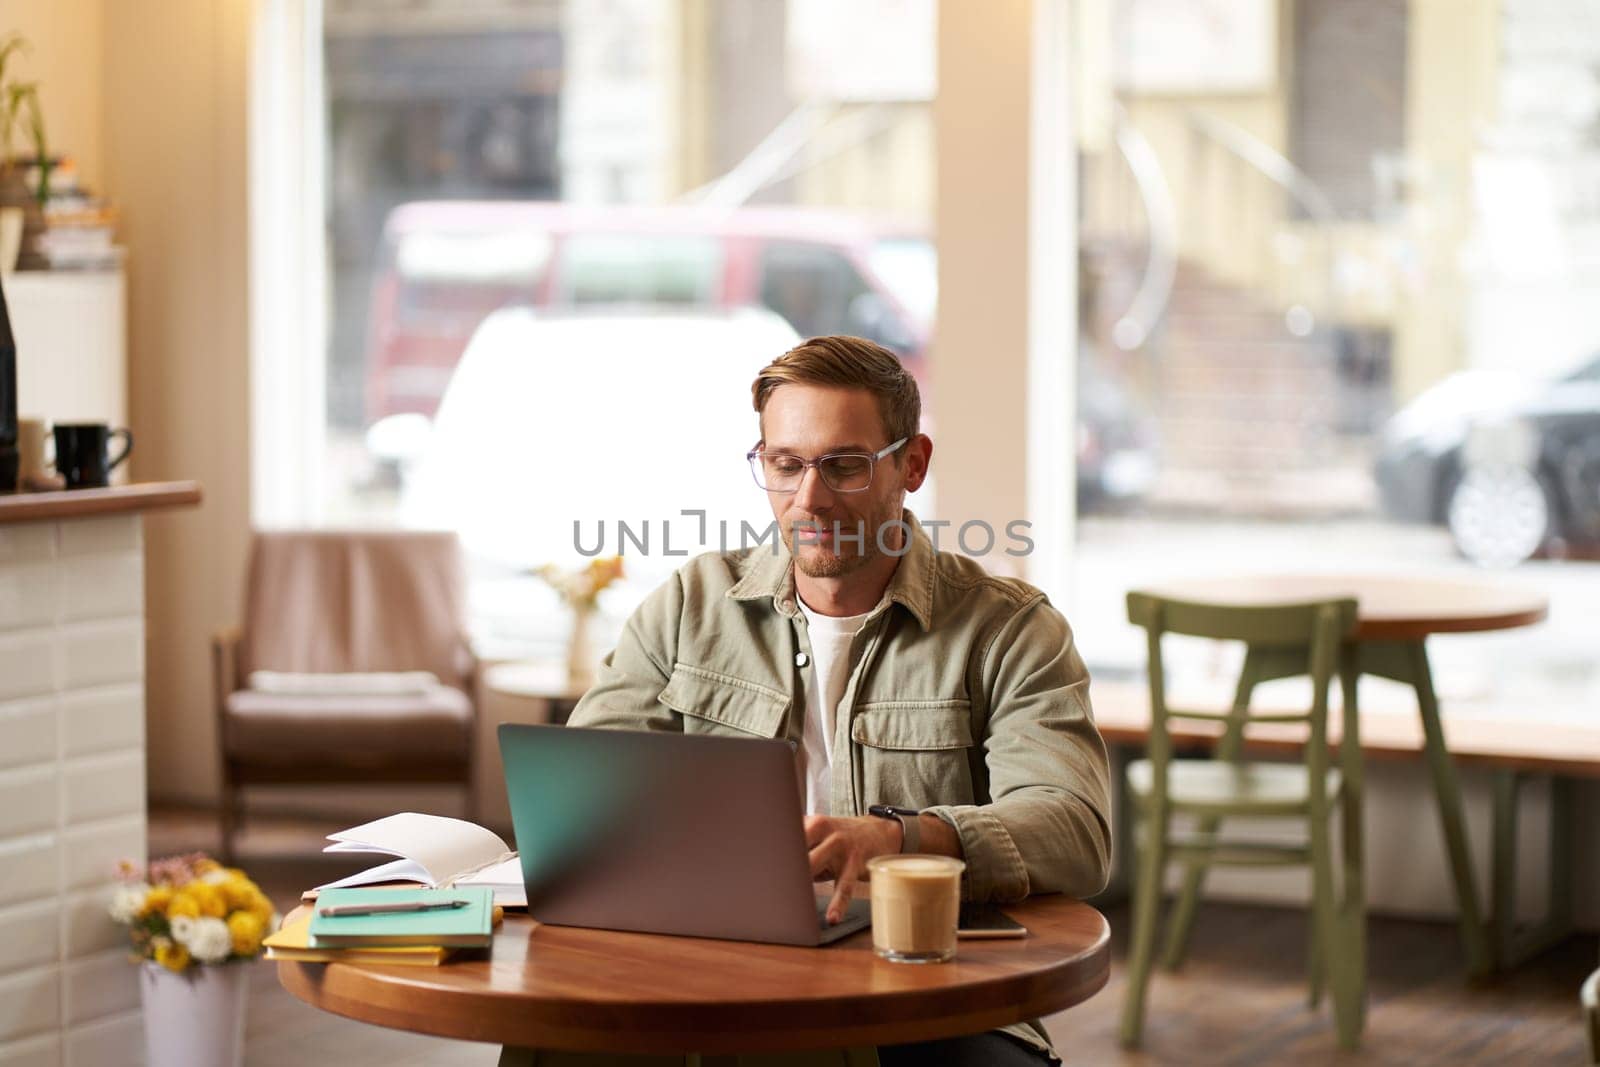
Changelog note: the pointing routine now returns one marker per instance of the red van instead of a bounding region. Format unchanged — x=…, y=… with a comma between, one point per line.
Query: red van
x=445, y=265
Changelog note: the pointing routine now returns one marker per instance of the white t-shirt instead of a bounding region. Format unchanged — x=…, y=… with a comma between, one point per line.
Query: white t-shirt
x=825, y=677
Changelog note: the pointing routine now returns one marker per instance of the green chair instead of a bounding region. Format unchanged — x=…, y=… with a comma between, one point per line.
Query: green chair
x=1282, y=640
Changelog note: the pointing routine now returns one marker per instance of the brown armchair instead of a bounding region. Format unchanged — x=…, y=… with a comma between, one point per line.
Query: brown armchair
x=342, y=603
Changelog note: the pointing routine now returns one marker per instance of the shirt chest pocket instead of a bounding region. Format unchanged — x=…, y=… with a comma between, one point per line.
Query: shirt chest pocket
x=713, y=703
x=915, y=753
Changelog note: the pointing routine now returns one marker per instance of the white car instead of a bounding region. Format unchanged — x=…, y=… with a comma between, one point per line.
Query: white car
x=555, y=429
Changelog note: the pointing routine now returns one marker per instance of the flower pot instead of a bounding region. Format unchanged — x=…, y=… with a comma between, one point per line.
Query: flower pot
x=194, y=1018
x=581, y=657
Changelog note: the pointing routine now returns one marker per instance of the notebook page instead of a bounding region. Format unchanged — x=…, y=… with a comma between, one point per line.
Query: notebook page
x=401, y=870
x=505, y=879
x=442, y=847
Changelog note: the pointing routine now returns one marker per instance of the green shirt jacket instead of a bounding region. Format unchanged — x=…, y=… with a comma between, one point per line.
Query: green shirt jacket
x=967, y=700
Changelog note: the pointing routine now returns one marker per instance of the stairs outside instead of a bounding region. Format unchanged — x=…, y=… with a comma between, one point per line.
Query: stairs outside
x=1252, y=419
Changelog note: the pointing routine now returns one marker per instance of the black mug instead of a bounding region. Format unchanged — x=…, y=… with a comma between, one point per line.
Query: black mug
x=83, y=453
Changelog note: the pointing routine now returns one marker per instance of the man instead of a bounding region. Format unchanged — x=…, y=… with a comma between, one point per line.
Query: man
x=907, y=676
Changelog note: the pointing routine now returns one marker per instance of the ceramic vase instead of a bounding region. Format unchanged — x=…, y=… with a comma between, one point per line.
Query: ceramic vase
x=194, y=1018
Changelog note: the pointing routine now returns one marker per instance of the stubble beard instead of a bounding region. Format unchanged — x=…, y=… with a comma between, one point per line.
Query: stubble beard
x=815, y=561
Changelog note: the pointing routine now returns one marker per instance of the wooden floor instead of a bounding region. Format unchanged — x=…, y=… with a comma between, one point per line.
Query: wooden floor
x=1239, y=1000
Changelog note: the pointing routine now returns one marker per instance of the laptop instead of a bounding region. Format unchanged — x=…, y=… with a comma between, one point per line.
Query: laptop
x=665, y=833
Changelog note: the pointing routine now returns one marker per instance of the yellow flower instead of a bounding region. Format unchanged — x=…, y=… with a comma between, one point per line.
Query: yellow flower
x=171, y=955
x=209, y=897
x=247, y=930
x=157, y=900
x=261, y=907
x=184, y=903
x=239, y=892
x=205, y=865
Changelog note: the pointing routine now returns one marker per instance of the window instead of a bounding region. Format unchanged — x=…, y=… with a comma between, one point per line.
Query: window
x=1323, y=330
x=556, y=230
x=812, y=287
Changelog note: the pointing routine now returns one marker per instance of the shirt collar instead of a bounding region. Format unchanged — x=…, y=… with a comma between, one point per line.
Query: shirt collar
x=771, y=576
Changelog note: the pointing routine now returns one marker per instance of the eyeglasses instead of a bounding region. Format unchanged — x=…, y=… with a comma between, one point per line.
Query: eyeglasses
x=843, y=472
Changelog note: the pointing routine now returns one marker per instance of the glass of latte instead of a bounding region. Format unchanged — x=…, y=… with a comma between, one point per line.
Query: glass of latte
x=915, y=900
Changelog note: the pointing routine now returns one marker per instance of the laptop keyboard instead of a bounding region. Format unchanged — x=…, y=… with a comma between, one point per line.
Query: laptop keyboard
x=856, y=908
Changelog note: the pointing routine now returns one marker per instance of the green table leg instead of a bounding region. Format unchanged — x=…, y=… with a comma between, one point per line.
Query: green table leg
x=1353, y=910
x=1407, y=662
x=1515, y=943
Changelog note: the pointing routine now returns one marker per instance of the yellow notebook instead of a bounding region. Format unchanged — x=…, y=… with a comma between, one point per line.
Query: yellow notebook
x=293, y=942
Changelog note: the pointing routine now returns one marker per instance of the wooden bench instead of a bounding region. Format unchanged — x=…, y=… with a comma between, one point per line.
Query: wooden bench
x=1515, y=747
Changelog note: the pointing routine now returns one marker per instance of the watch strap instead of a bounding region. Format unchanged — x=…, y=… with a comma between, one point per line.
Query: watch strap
x=910, y=824
x=910, y=832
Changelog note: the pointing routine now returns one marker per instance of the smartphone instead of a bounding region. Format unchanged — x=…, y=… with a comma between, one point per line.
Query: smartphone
x=987, y=920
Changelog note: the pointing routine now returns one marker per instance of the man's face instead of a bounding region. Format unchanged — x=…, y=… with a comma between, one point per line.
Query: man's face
x=813, y=420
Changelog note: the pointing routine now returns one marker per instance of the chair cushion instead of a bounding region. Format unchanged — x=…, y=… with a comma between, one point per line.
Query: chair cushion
x=1215, y=786
x=435, y=722
x=371, y=683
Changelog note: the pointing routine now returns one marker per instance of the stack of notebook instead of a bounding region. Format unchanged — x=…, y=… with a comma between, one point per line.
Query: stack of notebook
x=415, y=927
x=432, y=851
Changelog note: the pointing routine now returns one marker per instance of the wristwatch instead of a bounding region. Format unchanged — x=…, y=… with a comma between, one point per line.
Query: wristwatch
x=910, y=824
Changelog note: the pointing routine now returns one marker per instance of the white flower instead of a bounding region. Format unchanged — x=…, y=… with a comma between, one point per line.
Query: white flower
x=182, y=929
x=209, y=941
x=128, y=901
x=216, y=877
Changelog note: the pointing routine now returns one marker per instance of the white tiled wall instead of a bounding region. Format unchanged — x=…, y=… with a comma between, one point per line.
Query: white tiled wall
x=71, y=787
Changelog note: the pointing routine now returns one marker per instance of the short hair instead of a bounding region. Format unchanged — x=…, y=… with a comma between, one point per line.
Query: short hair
x=850, y=363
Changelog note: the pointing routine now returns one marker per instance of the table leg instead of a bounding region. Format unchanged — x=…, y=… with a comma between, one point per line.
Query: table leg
x=528, y=1057
x=1352, y=913
x=1514, y=943
x=1447, y=789
x=534, y=1057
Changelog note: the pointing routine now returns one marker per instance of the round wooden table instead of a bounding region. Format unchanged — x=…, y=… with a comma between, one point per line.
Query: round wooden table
x=1395, y=616
x=537, y=681
x=554, y=987
x=1388, y=607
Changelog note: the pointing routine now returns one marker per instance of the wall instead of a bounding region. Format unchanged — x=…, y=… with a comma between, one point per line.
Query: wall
x=162, y=131
x=72, y=798
x=981, y=117
x=176, y=164
x=67, y=38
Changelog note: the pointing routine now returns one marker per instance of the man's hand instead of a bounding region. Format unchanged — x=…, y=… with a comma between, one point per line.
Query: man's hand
x=840, y=848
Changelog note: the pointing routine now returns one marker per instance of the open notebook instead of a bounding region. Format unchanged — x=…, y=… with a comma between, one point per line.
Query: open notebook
x=433, y=851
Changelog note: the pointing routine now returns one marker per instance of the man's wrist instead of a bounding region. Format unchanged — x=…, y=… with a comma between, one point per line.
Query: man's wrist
x=939, y=838
x=910, y=824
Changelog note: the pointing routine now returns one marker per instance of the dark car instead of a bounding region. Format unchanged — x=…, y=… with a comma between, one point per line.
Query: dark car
x=1511, y=465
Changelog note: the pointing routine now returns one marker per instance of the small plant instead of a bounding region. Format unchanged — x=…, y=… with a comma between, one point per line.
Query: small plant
x=188, y=910
x=19, y=102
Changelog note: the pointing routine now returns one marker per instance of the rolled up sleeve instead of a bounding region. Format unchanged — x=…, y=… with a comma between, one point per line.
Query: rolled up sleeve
x=1047, y=827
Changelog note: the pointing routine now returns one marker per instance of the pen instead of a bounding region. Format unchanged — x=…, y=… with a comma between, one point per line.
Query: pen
x=389, y=909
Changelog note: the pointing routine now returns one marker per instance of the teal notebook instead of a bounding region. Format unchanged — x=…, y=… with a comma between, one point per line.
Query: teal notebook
x=470, y=926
